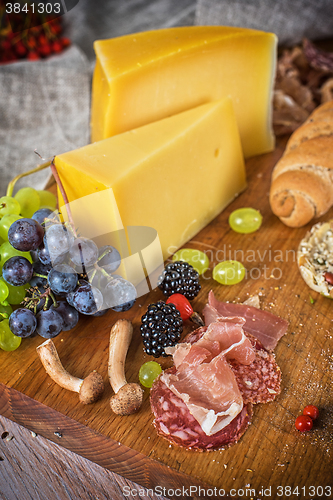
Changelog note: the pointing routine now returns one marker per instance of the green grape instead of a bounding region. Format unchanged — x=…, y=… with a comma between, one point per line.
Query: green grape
x=3, y=291
x=198, y=260
x=17, y=293
x=8, y=205
x=5, y=223
x=8, y=341
x=7, y=251
x=29, y=200
x=5, y=311
x=148, y=372
x=229, y=272
x=47, y=199
x=245, y=220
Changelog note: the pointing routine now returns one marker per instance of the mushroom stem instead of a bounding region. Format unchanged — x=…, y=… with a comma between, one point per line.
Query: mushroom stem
x=128, y=397
x=89, y=389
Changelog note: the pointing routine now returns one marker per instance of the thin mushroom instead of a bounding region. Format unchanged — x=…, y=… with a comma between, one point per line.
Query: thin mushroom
x=89, y=389
x=128, y=397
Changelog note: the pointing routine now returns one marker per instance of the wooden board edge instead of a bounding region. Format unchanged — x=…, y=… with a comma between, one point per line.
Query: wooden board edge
x=95, y=447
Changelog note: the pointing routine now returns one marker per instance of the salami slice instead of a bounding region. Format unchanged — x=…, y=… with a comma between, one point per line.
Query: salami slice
x=174, y=422
x=259, y=382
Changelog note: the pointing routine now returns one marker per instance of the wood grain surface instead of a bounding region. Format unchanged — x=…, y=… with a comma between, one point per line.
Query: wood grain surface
x=272, y=453
x=32, y=467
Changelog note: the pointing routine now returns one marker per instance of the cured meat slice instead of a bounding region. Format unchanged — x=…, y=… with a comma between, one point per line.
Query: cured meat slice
x=209, y=391
x=232, y=339
x=204, y=379
x=174, y=421
x=265, y=326
x=259, y=382
x=253, y=375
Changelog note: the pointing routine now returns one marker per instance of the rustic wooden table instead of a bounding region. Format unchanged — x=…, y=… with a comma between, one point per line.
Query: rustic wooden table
x=272, y=454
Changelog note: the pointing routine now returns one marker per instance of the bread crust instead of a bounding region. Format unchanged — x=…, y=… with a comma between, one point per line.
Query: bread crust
x=302, y=180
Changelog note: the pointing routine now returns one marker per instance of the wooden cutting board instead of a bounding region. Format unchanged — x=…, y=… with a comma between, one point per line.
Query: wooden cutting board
x=272, y=456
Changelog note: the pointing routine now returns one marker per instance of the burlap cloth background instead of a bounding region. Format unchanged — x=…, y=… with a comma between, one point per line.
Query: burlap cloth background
x=45, y=105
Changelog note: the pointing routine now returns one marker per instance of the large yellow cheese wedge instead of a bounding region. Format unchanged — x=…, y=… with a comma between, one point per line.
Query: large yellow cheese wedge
x=174, y=175
x=148, y=76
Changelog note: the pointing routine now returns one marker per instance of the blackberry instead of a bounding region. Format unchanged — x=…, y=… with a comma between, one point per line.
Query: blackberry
x=179, y=277
x=161, y=326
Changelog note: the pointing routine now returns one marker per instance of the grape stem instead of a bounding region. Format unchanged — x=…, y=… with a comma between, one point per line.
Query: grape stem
x=11, y=184
x=33, y=301
x=64, y=196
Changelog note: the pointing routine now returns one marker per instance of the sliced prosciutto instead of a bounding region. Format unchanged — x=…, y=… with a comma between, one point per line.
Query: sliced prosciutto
x=204, y=379
x=265, y=326
x=258, y=382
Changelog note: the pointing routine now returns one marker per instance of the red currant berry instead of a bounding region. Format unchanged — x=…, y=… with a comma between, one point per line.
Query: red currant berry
x=42, y=39
x=303, y=423
x=20, y=49
x=65, y=41
x=31, y=42
x=44, y=50
x=56, y=46
x=33, y=56
x=311, y=411
x=182, y=304
x=5, y=44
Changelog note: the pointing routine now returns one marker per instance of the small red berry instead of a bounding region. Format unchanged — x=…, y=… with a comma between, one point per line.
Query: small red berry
x=311, y=411
x=65, y=41
x=44, y=50
x=56, y=46
x=42, y=39
x=303, y=423
x=6, y=44
x=31, y=42
x=20, y=49
x=33, y=56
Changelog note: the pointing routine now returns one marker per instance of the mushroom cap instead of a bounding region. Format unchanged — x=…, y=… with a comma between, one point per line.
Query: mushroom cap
x=92, y=388
x=127, y=400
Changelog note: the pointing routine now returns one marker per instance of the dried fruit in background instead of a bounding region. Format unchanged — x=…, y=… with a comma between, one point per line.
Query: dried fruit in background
x=304, y=79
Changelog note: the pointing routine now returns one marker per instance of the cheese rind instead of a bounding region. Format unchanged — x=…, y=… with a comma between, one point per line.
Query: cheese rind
x=174, y=175
x=144, y=77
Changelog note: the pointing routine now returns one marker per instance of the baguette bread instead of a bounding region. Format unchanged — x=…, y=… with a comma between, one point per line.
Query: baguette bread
x=302, y=180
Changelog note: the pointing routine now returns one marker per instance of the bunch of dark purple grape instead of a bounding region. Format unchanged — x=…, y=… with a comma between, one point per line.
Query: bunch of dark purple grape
x=69, y=275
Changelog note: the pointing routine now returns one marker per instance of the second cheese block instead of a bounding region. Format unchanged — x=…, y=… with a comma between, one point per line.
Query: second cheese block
x=144, y=77
x=174, y=175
